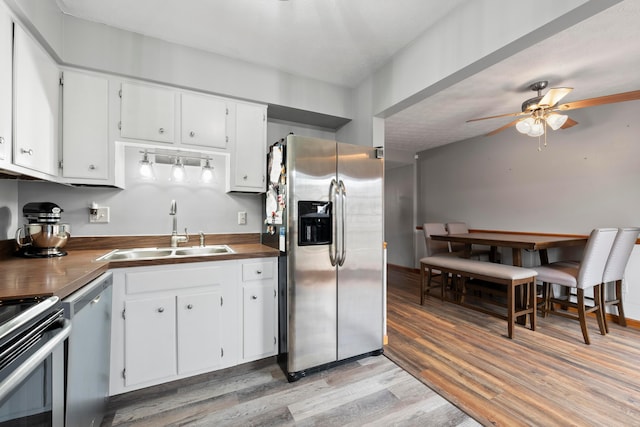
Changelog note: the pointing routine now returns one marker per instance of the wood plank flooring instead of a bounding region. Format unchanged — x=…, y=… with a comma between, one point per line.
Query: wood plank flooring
x=544, y=378
x=372, y=391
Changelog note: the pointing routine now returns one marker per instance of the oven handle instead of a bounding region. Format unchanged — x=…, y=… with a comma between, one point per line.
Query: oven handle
x=23, y=371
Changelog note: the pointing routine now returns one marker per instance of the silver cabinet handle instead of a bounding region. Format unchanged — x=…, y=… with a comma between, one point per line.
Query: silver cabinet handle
x=160, y=309
x=96, y=299
x=29, y=151
x=192, y=134
x=161, y=130
x=92, y=167
x=254, y=297
x=189, y=306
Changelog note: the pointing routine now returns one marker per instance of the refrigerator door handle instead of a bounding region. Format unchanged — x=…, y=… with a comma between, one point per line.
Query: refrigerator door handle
x=343, y=221
x=333, y=251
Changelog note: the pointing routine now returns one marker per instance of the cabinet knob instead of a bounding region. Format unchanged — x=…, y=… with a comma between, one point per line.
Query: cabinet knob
x=1, y=140
x=92, y=167
x=245, y=177
x=258, y=271
x=189, y=306
x=161, y=310
x=29, y=151
x=254, y=297
x=161, y=130
x=192, y=134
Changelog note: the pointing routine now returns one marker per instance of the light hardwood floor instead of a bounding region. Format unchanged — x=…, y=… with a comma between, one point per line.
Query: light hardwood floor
x=372, y=391
x=547, y=377
x=544, y=378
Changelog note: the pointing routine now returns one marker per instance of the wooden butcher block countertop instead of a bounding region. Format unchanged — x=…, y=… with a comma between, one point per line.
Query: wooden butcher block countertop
x=61, y=276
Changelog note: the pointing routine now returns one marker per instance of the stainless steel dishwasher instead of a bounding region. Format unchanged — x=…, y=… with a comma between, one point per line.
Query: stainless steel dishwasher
x=87, y=389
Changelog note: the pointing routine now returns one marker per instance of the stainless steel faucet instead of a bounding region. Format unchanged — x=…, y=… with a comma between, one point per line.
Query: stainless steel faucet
x=175, y=237
x=202, y=239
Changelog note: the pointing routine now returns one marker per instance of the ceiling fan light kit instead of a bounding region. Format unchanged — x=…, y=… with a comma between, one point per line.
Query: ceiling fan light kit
x=541, y=110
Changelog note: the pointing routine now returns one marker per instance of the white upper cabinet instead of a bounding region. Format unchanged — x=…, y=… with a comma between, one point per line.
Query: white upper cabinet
x=204, y=120
x=148, y=113
x=6, y=40
x=247, y=172
x=36, y=105
x=85, y=133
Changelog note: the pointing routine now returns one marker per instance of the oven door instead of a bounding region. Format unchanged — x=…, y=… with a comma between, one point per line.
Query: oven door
x=32, y=384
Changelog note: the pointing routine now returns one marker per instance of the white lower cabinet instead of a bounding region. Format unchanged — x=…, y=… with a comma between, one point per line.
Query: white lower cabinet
x=259, y=310
x=199, y=335
x=149, y=339
x=174, y=321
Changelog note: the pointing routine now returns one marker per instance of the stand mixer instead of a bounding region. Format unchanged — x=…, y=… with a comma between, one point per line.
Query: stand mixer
x=42, y=236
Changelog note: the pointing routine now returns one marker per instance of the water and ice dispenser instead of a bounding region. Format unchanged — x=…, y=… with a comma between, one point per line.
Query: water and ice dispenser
x=314, y=223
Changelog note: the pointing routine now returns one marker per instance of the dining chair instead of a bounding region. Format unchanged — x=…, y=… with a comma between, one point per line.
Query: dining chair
x=434, y=248
x=614, y=270
x=461, y=228
x=584, y=275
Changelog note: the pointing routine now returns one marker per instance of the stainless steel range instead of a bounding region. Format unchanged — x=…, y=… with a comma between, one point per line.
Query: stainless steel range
x=32, y=336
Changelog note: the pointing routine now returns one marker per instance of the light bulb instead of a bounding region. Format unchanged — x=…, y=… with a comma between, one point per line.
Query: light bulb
x=178, y=173
x=555, y=121
x=146, y=168
x=524, y=126
x=207, y=173
x=537, y=129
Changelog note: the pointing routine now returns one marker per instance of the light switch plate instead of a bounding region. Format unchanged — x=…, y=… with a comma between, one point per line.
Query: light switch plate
x=242, y=218
x=101, y=216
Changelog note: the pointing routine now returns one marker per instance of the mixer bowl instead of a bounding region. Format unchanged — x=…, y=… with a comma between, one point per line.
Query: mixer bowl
x=43, y=236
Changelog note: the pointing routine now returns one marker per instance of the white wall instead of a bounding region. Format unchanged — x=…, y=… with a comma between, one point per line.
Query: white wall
x=399, y=183
x=9, y=220
x=587, y=177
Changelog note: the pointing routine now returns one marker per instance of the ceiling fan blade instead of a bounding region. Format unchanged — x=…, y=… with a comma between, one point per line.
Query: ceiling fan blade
x=569, y=123
x=508, y=125
x=554, y=96
x=495, y=117
x=601, y=100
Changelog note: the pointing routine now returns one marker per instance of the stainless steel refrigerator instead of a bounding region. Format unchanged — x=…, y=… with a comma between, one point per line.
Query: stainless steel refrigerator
x=324, y=211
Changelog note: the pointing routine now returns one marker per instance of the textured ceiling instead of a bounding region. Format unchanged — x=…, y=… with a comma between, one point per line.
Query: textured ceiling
x=597, y=57
x=343, y=41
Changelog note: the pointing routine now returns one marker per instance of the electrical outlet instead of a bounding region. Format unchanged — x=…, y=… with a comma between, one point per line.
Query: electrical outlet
x=99, y=215
x=242, y=218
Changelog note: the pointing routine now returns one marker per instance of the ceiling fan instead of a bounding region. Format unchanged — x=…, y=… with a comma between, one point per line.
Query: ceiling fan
x=543, y=111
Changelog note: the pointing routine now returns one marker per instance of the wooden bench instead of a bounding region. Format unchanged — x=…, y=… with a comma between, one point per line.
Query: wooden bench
x=510, y=276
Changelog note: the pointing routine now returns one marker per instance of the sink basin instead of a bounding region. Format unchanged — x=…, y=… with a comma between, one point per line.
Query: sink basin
x=206, y=250
x=162, y=253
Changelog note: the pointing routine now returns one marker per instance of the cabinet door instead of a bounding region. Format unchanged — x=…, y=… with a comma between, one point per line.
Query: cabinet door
x=150, y=339
x=259, y=320
x=6, y=36
x=148, y=113
x=249, y=153
x=36, y=105
x=204, y=121
x=85, y=139
x=199, y=324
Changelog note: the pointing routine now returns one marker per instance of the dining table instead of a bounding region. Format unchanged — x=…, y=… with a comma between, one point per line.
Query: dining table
x=515, y=240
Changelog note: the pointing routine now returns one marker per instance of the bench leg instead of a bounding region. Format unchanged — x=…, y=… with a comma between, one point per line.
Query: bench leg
x=511, y=303
x=533, y=303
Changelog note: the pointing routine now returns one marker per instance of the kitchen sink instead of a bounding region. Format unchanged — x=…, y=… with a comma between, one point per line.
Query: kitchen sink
x=137, y=254
x=206, y=250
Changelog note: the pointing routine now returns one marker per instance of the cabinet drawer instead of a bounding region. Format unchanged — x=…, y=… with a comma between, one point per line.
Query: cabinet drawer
x=164, y=280
x=257, y=271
